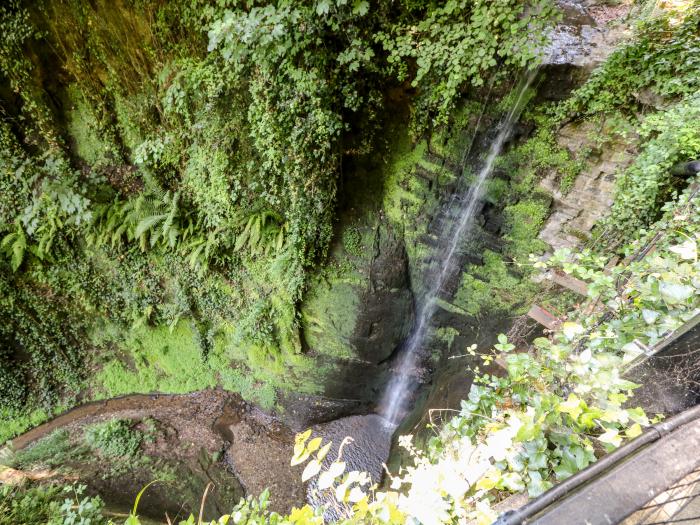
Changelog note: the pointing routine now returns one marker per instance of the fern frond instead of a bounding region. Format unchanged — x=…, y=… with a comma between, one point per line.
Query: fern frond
x=146, y=224
x=15, y=245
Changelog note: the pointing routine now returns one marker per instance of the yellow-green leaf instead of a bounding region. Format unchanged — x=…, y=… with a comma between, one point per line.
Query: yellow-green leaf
x=571, y=406
x=313, y=468
x=633, y=431
x=313, y=445
x=611, y=436
x=324, y=451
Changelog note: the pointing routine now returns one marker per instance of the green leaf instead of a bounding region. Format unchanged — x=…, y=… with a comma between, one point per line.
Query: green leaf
x=312, y=468
x=650, y=316
x=323, y=7
x=611, y=436
x=301, y=437
x=147, y=224
x=513, y=482
x=674, y=293
x=537, y=461
x=633, y=431
x=527, y=431
x=638, y=416
x=138, y=496
x=571, y=330
x=314, y=444
x=324, y=451
x=571, y=406
x=360, y=7
x=132, y=520
x=300, y=457
x=688, y=250
x=327, y=478
x=537, y=485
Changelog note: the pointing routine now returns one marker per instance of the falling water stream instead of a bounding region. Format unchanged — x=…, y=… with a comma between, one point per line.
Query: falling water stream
x=396, y=399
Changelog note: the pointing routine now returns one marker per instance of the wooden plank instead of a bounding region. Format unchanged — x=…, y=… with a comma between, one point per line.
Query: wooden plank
x=543, y=317
x=571, y=283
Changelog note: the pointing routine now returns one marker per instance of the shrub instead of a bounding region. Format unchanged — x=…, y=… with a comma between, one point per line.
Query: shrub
x=114, y=438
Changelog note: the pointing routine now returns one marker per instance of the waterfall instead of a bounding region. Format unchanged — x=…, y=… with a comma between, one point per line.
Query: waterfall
x=398, y=391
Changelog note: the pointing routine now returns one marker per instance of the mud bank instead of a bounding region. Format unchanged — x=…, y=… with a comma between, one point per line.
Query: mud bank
x=193, y=440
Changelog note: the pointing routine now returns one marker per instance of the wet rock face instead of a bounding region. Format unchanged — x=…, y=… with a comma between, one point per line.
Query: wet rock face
x=386, y=302
x=581, y=41
x=584, y=38
x=353, y=321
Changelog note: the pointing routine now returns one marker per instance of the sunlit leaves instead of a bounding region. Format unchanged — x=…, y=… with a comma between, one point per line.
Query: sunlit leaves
x=313, y=467
x=572, y=406
x=674, y=293
x=611, y=436
x=539, y=422
x=326, y=479
x=688, y=250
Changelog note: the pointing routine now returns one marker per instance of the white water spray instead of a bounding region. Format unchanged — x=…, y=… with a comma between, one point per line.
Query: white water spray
x=397, y=394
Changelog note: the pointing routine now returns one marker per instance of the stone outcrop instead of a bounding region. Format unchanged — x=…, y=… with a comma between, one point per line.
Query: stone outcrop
x=584, y=38
x=574, y=213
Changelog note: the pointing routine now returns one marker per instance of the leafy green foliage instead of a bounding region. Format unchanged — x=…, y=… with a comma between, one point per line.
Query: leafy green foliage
x=449, y=53
x=14, y=245
x=493, y=288
x=540, y=155
x=659, y=293
x=669, y=137
x=297, y=106
x=51, y=335
x=114, y=438
x=50, y=505
x=663, y=57
x=352, y=241
x=160, y=222
x=537, y=423
x=55, y=450
x=155, y=180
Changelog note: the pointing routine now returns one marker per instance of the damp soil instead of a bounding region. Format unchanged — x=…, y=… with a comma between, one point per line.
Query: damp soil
x=193, y=440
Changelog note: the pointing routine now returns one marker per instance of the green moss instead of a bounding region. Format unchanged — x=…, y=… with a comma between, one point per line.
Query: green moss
x=163, y=361
x=242, y=381
x=13, y=423
x=130, y=123
x=497, y=190
x=541, y=154
x=83, y=128
x=446, y=334
x=450, y=141
x=399, y=201
x=493, y=289
x=158, y=360
x=524, y=221
x=329, y=313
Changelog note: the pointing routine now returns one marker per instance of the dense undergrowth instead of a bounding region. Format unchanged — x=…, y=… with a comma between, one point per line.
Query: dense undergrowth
x=556, y=405
x=644, y=99
x=174, y=167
